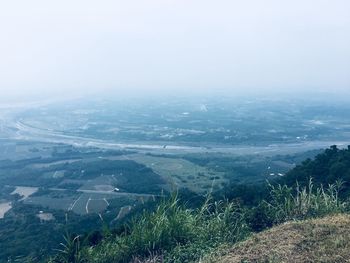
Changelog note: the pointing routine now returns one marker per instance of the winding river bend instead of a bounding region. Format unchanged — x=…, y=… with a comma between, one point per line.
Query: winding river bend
x=27, y=132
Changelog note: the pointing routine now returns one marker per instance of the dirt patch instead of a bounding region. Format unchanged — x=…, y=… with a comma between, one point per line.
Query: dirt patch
x=45, y=216
x=319, y=240
x=24, y=191
x=104, y=187
x=4, y=207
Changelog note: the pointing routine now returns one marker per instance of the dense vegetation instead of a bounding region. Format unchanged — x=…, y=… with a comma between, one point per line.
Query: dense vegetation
x=23, y=219
x=172, y=232
x=328, y=167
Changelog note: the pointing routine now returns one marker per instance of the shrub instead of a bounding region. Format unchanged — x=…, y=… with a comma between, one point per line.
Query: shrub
x=306, y=202
x=71, y=251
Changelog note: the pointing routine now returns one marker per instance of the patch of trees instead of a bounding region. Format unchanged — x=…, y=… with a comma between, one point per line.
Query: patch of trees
x=326, y=168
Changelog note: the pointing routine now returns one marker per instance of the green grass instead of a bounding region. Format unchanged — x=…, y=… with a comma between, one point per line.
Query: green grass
x=179, y=172
x=177, y=234
x=172, y=231
x=287, y=203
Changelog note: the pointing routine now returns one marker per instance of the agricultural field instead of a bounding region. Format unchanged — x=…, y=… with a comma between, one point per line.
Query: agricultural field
x=24, y=191
x=71, y=166
x=93, y=179
x=180, y=173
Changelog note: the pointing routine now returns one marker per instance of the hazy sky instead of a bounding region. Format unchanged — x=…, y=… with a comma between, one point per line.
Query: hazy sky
x=79, y=46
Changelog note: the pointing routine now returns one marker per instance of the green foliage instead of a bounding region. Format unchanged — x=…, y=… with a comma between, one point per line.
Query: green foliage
x=216, y=223
x=287, y=203
x=178, y=234
x=260, y=217
x=171, y=230
x=71, y=251
x=326, y=168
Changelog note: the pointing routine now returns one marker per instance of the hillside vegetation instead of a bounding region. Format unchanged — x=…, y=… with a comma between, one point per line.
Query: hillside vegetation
x=172, y=232
x=326, y=168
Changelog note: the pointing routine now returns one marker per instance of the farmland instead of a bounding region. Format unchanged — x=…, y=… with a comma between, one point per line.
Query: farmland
x=85, y=165
x=179, y=173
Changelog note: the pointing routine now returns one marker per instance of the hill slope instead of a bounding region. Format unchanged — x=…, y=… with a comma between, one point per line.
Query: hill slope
x=326, y=168
x=316, y=240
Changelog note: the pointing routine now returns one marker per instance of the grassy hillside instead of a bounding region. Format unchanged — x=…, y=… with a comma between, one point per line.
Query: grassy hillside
x=175, y=232
x=315, y=240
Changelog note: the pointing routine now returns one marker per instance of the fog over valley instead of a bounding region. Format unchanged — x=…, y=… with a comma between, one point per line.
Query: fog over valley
x=50, y=50
x=171, y=131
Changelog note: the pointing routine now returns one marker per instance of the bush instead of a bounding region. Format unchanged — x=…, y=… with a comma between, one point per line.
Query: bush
x=305, y=203
x=260, y=217
x=71, y=251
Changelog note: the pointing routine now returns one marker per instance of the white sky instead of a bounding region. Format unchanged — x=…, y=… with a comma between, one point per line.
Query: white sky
x=79, y=46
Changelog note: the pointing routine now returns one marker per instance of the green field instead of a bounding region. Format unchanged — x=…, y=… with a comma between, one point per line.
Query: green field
x=180, y=173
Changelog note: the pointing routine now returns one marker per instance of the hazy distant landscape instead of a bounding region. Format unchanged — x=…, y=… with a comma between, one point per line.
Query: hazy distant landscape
x=100, y=159
x=174, y=131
